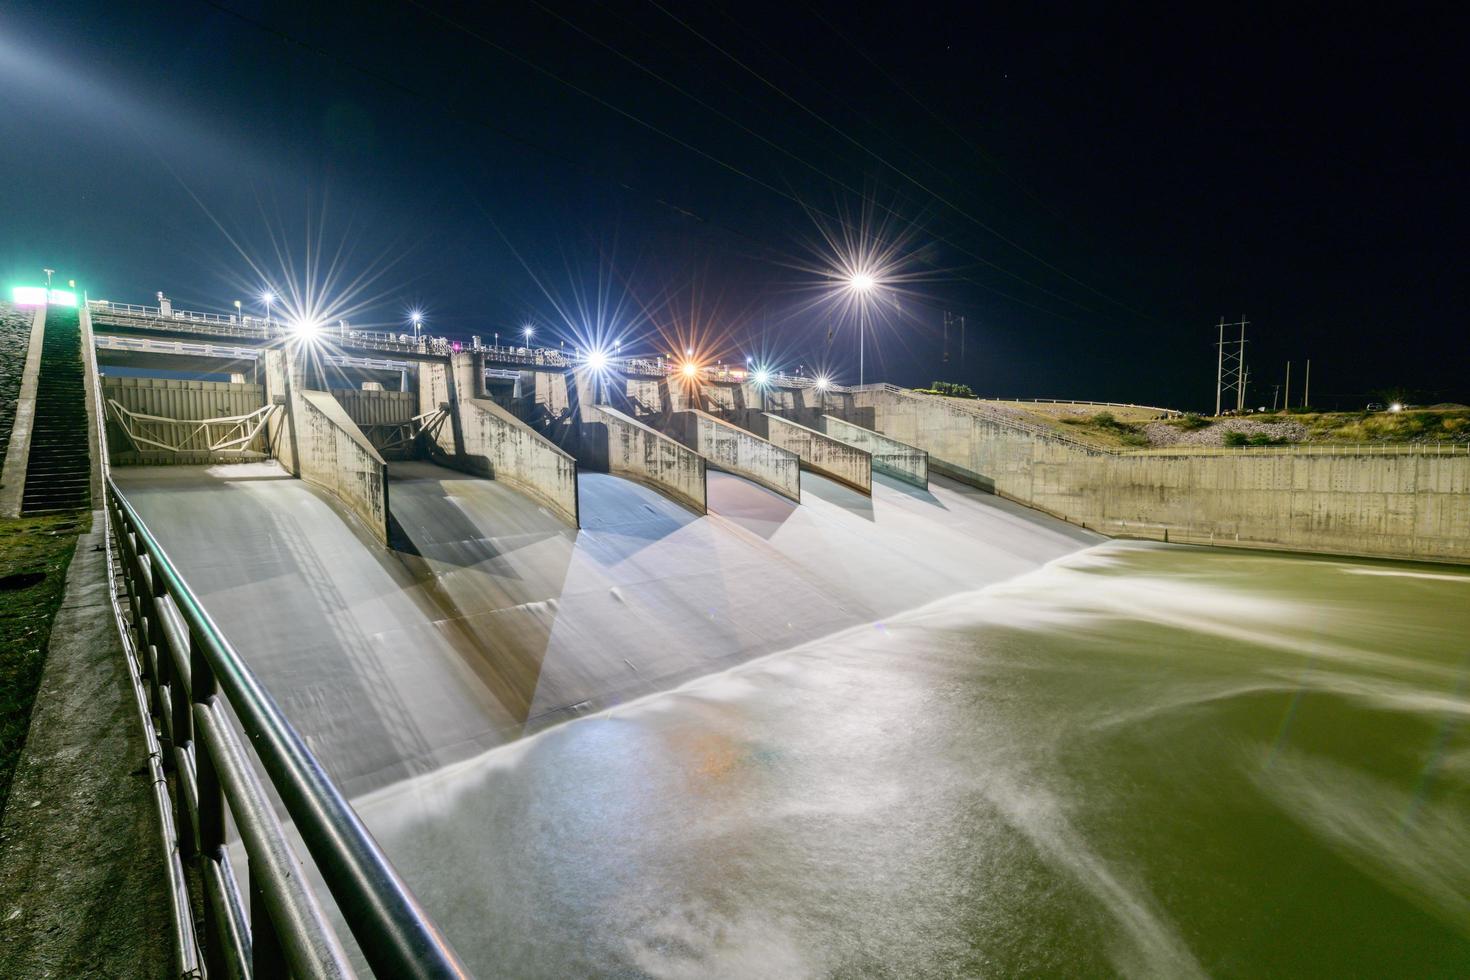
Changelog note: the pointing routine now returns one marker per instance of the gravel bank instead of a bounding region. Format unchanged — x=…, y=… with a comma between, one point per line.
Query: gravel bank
x=1164, y=434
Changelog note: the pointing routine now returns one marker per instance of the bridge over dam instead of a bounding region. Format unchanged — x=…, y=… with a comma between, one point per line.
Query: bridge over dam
x=385, y=561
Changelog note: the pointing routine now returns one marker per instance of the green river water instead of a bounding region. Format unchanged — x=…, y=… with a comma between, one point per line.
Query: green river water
x=1140, y=760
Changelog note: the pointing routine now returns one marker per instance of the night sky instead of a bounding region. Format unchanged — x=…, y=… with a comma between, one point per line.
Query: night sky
x=1092, y=191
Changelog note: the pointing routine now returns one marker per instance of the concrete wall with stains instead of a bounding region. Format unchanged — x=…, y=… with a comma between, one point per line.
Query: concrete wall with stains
x=1317, y=499
x=822, y=454
x=619, y=444
x=502, y=447
x=896, y=459
x=729, y=447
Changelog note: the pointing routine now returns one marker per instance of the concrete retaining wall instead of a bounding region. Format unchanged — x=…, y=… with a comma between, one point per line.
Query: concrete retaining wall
x=337, y=457
x=896, y=459
x=732, y=448
x=377, y=407
x=1410, y=506
x=18, y=451
x=501, y=446
x=623, y=446
x=822, y=454
x=281, y=430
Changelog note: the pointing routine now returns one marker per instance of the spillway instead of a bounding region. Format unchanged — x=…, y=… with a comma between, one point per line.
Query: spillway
x=984, y=743
x=491, y=618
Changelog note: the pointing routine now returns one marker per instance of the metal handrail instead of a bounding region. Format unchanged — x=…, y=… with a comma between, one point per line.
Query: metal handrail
x=1083, y=401
x=193, y=672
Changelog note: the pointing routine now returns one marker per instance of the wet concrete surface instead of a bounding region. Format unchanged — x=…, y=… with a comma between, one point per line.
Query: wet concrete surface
x=500, y=620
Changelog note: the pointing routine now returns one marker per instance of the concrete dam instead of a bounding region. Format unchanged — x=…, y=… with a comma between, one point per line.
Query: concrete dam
x=420, y=563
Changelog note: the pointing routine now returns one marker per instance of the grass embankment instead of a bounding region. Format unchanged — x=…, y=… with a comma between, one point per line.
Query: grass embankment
x=1130, y=427
x=1410, y=425
x=34, y=555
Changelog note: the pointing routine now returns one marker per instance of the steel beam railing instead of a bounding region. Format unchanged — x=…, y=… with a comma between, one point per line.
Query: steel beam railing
x=195, y=681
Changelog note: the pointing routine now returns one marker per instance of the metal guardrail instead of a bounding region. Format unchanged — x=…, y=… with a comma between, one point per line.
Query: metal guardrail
x=1172, y=412
x=1438, y=448
x=196, y=680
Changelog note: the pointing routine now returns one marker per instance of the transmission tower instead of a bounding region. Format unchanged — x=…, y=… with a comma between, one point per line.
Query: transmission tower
x=1230, y=373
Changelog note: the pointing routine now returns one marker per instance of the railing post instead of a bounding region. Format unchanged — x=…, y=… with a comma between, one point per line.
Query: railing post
x=267, y=958
x=155, y=641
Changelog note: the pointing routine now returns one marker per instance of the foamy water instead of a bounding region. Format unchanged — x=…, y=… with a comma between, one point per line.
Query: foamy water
x=1138, y=760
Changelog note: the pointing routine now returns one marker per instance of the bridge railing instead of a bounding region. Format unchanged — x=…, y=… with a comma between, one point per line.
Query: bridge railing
x=200, y=689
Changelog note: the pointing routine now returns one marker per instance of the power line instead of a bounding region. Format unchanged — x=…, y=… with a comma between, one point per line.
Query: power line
x=578, y=163
x=633, y=117
x=896, y=169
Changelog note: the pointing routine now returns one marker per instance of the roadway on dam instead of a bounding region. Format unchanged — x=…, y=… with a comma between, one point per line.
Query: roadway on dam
x=493, y=619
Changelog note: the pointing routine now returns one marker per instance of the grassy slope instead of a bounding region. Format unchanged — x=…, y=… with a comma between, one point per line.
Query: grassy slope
x=1415, y=425
x=1079, y=422
x=28, y=544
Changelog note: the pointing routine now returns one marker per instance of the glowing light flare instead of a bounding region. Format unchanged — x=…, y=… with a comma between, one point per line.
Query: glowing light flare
x=596, y=360
x=268, y=298
x=822, y=382
x=1396, y=407
x=690, y=369
x=761, y=376
x=28, y=295
x=305, y=329
x=862, y=282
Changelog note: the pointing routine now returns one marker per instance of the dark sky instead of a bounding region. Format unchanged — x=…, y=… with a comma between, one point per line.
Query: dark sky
x=1091, y=190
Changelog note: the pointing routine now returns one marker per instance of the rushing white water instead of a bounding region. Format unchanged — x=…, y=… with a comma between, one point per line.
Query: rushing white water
x=1141, y=760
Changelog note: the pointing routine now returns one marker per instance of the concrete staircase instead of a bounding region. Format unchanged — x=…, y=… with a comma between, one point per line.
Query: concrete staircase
x=58, y=470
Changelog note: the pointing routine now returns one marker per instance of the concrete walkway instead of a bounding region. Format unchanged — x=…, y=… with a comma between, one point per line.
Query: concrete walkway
x=82, y=881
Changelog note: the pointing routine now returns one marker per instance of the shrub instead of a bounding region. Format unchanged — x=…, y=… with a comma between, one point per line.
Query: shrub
x=1191, y=421
x=1234, y=438
x=1105, y=420
x=951, y=389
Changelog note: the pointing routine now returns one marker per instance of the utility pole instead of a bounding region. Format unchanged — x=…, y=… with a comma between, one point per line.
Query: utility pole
x=1219, y=366
x=1275, y=396
x=1230, y=372
x=958, y=322
x=1287, y=401
x=1307, y=387
x=1240, y=357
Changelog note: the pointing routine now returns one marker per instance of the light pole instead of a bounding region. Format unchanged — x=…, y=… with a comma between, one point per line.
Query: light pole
x=239, y=317
x=268, y=298
x=862, y=283
x=418, y=319
x=527, y=331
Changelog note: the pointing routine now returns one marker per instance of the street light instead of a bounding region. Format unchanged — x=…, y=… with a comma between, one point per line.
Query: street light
x=862, y=283
x=238, y=315
x=268, y=298
x=528, y=331
x=418, y=319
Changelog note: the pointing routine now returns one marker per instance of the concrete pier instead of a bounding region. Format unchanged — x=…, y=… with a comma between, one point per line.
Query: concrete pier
x=502, y=447
x=897, y=459
x=621, y=445
x=738, y=451
x=823, y=454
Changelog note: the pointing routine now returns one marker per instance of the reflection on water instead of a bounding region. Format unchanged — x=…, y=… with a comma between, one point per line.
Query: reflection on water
x=1143, y=760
